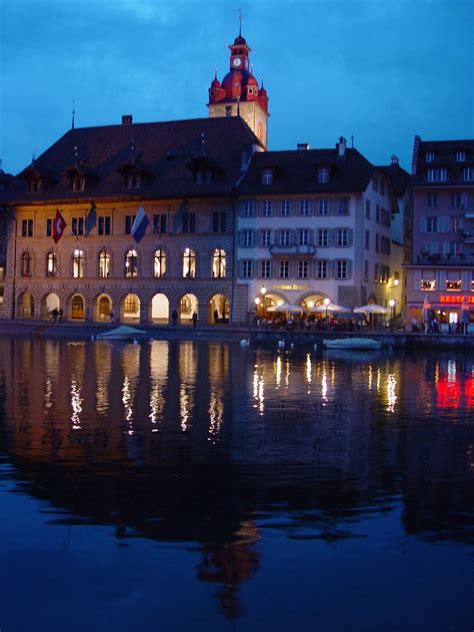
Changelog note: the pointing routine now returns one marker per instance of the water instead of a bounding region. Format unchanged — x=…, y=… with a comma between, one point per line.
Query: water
x=175, y=486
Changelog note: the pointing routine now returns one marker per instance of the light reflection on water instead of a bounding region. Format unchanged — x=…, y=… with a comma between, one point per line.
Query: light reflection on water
x=225, y=448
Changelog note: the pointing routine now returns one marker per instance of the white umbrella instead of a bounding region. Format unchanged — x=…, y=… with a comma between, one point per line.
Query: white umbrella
x=373, y=308
x=285, y=307
x=332, y=307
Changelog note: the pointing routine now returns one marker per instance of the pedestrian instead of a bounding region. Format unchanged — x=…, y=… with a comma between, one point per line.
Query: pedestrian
x=216, y=316
x=174, y=317
x=195, y=319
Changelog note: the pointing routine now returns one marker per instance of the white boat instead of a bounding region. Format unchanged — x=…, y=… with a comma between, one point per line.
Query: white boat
x=121, y=333
x=352, y=343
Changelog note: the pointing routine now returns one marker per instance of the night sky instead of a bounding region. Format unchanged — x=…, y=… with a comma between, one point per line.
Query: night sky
x=380, y=70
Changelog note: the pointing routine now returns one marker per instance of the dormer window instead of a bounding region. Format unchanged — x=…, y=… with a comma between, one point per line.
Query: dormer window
x=34, y=185
x=429, y=156
x=437, y=175
x=77, y=183
x=204, y=176
x=323, y=175
x=460, y=156
x=134, y=181
x=267, y=176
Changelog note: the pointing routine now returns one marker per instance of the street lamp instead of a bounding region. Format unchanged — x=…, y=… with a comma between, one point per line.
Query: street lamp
x=326, y=303
x=392, y=302
x=263, y=291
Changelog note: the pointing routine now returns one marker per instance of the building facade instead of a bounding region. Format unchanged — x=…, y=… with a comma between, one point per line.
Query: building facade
x=182, y=173
x=441, y=272
x=316, y=224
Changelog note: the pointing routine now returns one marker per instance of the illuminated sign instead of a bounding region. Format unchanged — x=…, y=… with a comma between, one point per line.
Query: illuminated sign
x=456, y=300
x=291, y=288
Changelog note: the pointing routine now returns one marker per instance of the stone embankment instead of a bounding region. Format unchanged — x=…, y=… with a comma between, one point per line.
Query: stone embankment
x=226, y=333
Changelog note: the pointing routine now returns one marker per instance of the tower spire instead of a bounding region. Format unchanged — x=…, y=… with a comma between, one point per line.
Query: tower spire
x=73, y=113
x=240, y=22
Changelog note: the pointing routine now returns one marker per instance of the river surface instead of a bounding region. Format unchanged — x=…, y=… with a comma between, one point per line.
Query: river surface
x=201, y=486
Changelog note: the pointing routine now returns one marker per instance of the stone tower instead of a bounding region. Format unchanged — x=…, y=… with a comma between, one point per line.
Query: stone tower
x=239, y=93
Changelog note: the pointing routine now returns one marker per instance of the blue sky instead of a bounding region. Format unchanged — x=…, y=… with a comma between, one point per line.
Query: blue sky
x=381, y=70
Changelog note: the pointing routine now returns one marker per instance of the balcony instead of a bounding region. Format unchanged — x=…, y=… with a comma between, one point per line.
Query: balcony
x=301, y=252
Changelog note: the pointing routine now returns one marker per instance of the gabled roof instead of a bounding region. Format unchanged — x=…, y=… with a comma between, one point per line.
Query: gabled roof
x=166, y=149
x=297, y=172
x=444, y=158
x=399, y=178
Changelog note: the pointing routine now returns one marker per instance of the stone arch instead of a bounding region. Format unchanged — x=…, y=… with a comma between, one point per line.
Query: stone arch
x=218, y=309
x=267, y=300
x=49, y=302
x=372, y=299
x=77, y=307
x=25, y=305
x=311, y=299
x=103, y=308
x=130, y=308
x=188, y=304
x=159, y=308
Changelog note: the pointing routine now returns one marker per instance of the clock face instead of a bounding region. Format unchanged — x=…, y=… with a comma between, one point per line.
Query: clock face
x=236, y=62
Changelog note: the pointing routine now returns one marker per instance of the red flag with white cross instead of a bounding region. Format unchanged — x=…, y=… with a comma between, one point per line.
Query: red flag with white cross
x=59, y=224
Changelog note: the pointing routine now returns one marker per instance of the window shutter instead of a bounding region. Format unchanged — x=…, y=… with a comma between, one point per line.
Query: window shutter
x=465, y=278
x=423, y=226
x=442, y=280
x=349, y=269
x=350, y=237
x=332, y=233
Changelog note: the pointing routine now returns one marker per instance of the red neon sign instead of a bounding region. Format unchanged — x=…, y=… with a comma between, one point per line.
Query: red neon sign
x=456, y=300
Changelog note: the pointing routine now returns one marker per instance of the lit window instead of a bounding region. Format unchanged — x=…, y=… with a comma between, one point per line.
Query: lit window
x=131, y=263
x=189, y=264
x=219, y=263
x=159, y=264
x=51, y=264
x=78, y=264
x=104, y=264
x=428, y=285
x=453, y=286
x=26, y=264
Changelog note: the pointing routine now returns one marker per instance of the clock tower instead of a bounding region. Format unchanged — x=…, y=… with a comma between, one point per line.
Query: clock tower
x=239, y=93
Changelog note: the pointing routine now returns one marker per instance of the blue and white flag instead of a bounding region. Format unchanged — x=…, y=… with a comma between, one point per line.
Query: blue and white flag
x=140, y=224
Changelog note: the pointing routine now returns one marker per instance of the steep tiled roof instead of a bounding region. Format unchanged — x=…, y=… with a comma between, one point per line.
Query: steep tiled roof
x=296, y=172
x=444, y=158
x=166, y=149
x=399, y=178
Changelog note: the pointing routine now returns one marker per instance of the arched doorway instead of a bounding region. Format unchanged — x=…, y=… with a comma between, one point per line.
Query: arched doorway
x=160, y=309
x=187, y=306
x=131, y=308
x=104, y=308
x=266, y=305
x=78, y=308
x=26, y=305
x=308, y=303
x=219, y=311
x=49, y=304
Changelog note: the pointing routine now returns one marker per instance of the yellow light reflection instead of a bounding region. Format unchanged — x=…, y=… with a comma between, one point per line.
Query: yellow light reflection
x=216, y=414
x=379, y=379
x=308, y=371
x=370, y=378
x=159, y=378
x=76, y=404
x=278, y=372
x=259, y=390
x=391, y=392
x=324, y=386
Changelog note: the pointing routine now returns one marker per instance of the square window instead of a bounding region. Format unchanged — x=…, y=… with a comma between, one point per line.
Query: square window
x=286, y=208
x=266, y=208
x=323, y=207
x=304, y=207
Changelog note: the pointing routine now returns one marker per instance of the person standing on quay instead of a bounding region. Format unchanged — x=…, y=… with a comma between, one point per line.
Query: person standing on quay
x=195, y=319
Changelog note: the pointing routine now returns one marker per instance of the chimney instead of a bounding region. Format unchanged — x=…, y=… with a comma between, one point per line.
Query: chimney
x=394, y=160
x=127, y=119
x=341, y=147
x=302, y=146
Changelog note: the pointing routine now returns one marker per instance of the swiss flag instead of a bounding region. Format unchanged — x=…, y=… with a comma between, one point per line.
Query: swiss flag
x=59, y=224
